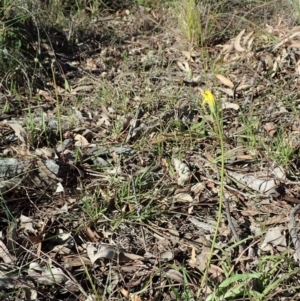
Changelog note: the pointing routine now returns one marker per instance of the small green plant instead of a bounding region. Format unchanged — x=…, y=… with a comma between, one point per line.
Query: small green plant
x=296, y=8
x=248, y=132
x=256, y=285
x=280, y=148
x=34, y=129
x=190, y=21
x=92, y=207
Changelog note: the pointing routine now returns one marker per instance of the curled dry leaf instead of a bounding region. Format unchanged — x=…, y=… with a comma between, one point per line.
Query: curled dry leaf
x=81, y=141
x=184, y=66
x=237, y=42
x=183, y=171
x=100, y=251
x=59, y=188
x=19, y=131
x=46, y=275
x=266, y=187
x=274, y=237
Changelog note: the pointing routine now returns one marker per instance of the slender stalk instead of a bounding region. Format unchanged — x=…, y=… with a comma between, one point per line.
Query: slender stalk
x=208, y=98
x=58, y=104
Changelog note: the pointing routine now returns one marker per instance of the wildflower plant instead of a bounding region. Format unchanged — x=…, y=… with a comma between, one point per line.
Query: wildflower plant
x=209, y=99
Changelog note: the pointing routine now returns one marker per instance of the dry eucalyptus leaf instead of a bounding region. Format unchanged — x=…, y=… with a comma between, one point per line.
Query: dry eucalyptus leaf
x=19, y=131
x=237, y=42
x=126, y=257
x=297, y=68
x=26, y=223
x=174, y=275
x=59, y=188
x=76, y=261
x=193, y=261
x=250, y=42
x=183, y=198
x=225, y=81
x=279, y=173
x=166, y=256
x=243, y=87
x=202, y=225
x=230, y=105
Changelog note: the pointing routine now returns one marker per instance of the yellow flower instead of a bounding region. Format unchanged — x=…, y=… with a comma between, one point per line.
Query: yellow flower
x=210, y=100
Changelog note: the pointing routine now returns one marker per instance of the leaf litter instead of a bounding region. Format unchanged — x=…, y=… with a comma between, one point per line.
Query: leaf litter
x=105, y=203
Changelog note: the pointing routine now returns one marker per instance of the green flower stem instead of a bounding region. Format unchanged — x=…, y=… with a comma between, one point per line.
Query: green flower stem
x=222, y=180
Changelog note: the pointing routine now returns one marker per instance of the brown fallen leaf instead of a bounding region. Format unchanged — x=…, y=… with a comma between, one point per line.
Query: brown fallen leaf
x=225, y=81
x=237, y=42
x=19, y=131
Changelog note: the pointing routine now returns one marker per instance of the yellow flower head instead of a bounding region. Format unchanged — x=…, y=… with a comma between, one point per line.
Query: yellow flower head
x=210, y=100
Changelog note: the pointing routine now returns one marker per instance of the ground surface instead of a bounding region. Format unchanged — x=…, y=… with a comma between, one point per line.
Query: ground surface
x=119, y=193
